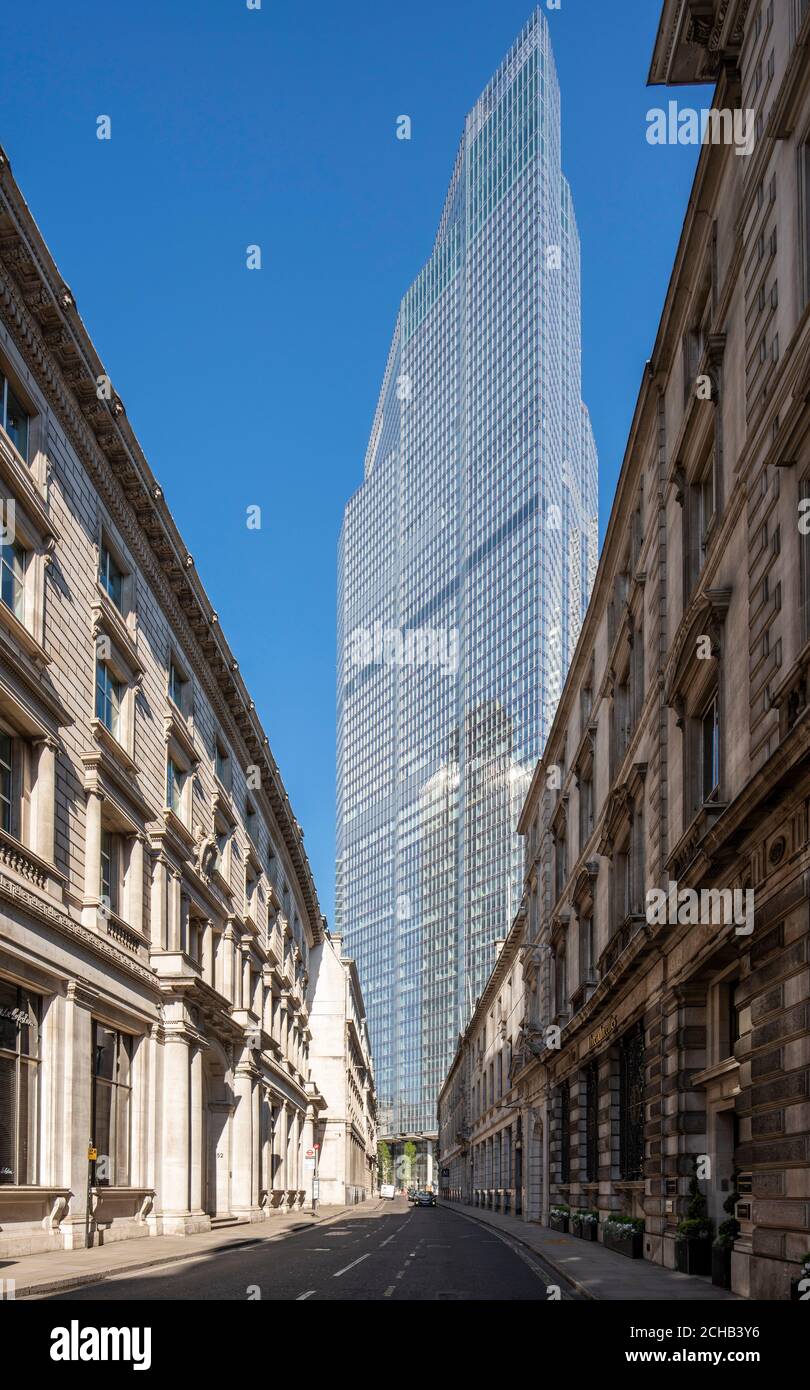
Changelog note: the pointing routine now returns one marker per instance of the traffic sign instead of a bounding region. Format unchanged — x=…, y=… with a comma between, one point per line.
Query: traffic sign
x=310, y=1153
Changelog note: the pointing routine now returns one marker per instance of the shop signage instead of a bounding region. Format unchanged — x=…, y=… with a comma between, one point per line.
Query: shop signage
x=603, y=1032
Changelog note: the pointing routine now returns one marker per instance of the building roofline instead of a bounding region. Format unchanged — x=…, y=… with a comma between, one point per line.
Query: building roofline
x=51, y=308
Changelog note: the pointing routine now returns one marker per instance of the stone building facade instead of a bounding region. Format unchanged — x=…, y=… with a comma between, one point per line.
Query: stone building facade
x=667, y=889
x=480, y=1120
x=157, y=910
x=343, y=1071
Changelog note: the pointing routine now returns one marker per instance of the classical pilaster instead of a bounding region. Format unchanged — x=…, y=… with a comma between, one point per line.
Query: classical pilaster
x=176, y=1132
x=71, y=1162
x=92, y=857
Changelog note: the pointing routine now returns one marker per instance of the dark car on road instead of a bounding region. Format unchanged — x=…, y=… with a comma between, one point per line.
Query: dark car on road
x=413, y=1193
x=426, y=1199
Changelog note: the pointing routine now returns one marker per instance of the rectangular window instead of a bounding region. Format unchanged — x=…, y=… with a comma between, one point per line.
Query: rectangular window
x=7, y=778
x=222, y=764
x=110, y=869
x=110, y=578
x=14, y=419
x=112, y=1091
x=108, y=699
x=587, y=963
x=804, y=561
x=12, y=583
x=710, y=750
x=177, y=685
x=631, y=1105
x=20, y=1014
x=706, y=502
x=592, y=1122
x=175, y=781
x=565, y=1133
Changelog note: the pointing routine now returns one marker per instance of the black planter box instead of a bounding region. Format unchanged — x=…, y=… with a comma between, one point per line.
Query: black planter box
x=693, y=1255
x=558, y=1223
x=721, y=1266
x=630, y=1244
x=588, y=1230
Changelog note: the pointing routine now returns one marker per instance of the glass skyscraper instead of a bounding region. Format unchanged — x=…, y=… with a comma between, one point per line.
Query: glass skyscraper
x=465, y=563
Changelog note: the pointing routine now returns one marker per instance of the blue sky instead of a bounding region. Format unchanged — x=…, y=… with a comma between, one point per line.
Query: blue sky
x=277, y=127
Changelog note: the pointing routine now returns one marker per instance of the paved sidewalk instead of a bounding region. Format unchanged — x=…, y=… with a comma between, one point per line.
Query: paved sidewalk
x=596, y=1272
x=58, y=1270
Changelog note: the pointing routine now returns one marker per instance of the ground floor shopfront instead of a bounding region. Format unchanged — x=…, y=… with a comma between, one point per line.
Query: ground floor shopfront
x=131, y=1105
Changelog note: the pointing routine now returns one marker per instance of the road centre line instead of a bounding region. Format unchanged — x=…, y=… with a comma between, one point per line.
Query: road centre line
x=352, y=1265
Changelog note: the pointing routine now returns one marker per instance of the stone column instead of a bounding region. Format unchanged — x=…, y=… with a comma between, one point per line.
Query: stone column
x=295, y=1156
x=44, y=809
x=207, y=952
x=255, y=1148
x=176, y=1132
x=70, y=1160
x=174, y=912
x=283, y=1135
x=246, y=1000
x=135, y=883
x=159, y=905
x=185, y=922
x=228, y=983
x=196, y=1130
x=242, y=1140
x=92, y=858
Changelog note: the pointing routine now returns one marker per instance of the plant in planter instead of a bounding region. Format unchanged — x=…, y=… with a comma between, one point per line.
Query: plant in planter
x=624, y=1235
x=723, y=1243
x=693, y=1253
x=588, y=1224
x=558, y=1217
x=798, y=1293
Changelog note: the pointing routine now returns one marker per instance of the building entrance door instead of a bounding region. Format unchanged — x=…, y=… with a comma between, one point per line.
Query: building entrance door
x=218, y=1185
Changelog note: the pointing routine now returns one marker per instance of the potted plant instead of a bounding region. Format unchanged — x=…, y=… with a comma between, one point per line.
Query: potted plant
x=574, y=1222
x=693, y=1250
x=588, y=1224
x=558, y=1217
x=798, y=1293
x=723, y=1243
x=624, y=1235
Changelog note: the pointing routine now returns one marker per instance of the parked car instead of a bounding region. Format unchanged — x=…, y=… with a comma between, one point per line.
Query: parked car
x=426, y=1199
x=388, y=1190
x=413, y=1193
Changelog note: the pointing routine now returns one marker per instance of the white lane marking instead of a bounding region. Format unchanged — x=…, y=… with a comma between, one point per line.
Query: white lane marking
x=352, y=1265
x=396, y=1233
x=302, y=1296
x=389, y=1291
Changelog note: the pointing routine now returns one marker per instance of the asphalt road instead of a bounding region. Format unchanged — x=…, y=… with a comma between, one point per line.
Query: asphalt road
x=391, y=1251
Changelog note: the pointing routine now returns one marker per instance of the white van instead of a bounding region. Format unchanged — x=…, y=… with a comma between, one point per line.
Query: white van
x=388, y=1190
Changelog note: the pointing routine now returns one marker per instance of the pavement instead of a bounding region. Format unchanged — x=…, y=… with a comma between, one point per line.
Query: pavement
x=377, y=1250
x=597, y=1272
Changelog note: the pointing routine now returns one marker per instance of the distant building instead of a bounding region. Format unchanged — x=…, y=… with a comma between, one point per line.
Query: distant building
x=342, y=1070
x=466, y=559
x=480, y=1118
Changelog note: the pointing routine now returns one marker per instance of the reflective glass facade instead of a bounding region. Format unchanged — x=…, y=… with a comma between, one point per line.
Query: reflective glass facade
x=465, y=563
